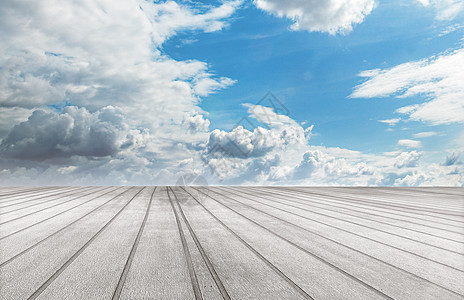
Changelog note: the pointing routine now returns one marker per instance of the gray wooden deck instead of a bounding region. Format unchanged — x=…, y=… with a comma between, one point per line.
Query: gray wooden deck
x=231, y=243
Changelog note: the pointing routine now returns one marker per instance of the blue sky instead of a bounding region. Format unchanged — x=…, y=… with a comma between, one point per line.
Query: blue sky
x=141, y=92
x=314, y=73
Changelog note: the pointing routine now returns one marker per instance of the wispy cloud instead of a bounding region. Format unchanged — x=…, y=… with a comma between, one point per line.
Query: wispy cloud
x=409, y=143
x=451, y=29
x=390, y=122
x=446, y=9
x=424, y=134
x=438, y=79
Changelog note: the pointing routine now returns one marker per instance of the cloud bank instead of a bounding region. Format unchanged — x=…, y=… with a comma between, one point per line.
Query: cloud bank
x=85, y=87
x=88, y=96
x=74, y=131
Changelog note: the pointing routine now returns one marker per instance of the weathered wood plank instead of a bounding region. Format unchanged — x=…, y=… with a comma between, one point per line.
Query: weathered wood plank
x=231, y=243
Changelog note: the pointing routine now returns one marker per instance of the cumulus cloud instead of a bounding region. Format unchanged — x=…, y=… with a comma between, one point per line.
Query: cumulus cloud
x=427, y=175
x=195, y=123
x=432, y=176
x=97, y=53
x=409, y=143
x=10, y=117
x=316, y=161
x=255, y=155
x=102, y=97
x=74, y=131
x=281, y=132
x=281, y=154
x=332, y=16
x=411, y=179
x=242, y=143
x=407, y=159
x=437, y=79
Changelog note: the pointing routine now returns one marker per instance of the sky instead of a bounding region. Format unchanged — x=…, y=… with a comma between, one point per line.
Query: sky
x=236, y=92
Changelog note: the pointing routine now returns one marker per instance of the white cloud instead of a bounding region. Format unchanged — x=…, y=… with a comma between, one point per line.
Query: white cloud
x=267, y=156
x=438, y=80
x=409, y=143
x=94, y=57
x=283, y=133
x=323, y=165
x=332, y=16
x=424, y=2
x=407, y=159
x=97, y=53
x=451, y=29
x=256, y=155
x=446, y=9
x=196, y=123
x=206, y=85
x=243, y=143
x=434, y=175
x=390, y=122
x=413, y=179
x=74, y=131
x=169, y=17
x=424, y=134
x=273, y=159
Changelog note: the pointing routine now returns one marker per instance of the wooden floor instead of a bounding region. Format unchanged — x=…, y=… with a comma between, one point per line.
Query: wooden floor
x=231, y=243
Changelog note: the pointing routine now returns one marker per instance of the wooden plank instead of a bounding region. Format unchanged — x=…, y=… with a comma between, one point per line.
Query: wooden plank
x=18, y=235
x=159, y=269
x=377, y=214
x=387, y=277
x=94, y=271
x=427, y=251
x=231, y=243
x=450, y=238
x=25, y=274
